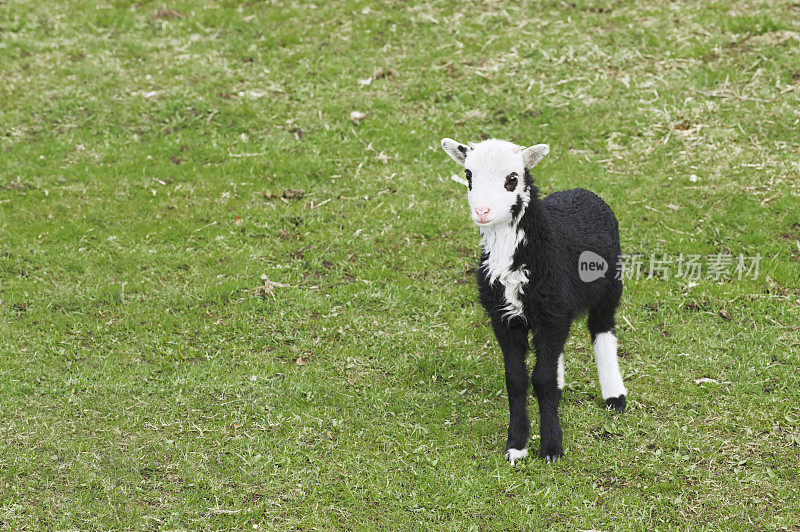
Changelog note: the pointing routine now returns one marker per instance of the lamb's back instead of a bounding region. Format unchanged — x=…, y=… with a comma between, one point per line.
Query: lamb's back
x=580, y=221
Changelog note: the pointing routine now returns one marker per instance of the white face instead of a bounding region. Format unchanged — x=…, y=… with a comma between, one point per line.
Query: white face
x=495, y=170
x=497, y=184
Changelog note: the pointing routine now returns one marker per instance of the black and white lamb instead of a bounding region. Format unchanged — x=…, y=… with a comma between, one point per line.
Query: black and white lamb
x=529, y=280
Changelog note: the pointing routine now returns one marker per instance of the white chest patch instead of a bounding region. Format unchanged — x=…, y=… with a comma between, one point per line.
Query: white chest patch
x=500, y=243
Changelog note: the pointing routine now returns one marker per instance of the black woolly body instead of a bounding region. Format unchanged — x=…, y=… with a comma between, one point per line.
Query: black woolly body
x=557, y=229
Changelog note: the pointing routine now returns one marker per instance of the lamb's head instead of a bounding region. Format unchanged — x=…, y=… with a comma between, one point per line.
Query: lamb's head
x=495, y=172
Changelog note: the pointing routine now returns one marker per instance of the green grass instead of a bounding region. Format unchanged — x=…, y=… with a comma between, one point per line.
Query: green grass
x=149, y=380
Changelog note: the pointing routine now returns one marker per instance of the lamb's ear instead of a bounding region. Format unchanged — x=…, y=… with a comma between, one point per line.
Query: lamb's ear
x=531, y=156
x=456, y=150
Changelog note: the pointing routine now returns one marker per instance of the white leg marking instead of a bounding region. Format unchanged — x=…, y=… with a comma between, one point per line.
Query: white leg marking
x=560, y=372
x=514, y=455
x=605, y=350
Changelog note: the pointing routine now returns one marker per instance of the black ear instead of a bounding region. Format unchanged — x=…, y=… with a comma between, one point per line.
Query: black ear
x=456, y=150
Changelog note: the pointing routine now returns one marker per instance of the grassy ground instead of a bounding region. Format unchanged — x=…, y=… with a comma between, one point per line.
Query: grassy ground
x=156, y=160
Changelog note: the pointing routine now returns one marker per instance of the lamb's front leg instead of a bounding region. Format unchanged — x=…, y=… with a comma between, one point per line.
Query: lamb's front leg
x=513, y=340
x=547, y=383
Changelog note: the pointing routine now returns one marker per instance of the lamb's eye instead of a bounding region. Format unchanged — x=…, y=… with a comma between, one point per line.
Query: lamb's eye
x=469, y=178
x=511, y=182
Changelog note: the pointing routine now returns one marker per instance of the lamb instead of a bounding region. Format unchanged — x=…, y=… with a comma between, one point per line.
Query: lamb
x=529, y=280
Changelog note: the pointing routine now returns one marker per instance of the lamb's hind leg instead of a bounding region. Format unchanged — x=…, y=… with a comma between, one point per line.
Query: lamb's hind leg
x=604, y=339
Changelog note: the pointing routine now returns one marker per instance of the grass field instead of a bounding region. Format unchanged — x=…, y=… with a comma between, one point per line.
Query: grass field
x=225, y=303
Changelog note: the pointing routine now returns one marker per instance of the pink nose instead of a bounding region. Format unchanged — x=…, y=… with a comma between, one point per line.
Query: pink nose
x=482, y=212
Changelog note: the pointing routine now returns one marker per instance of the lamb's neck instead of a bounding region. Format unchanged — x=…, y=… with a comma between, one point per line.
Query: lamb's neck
x=500, y=243
x=534, y=224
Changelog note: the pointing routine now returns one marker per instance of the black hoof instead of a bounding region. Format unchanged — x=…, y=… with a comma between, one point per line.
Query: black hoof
x=551, y=453
x=617, y=404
